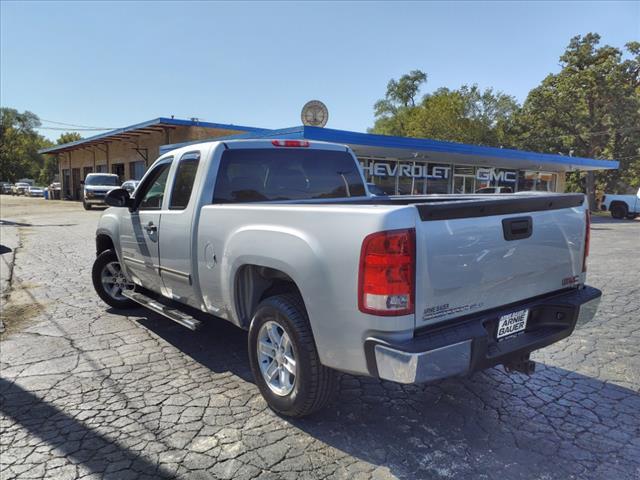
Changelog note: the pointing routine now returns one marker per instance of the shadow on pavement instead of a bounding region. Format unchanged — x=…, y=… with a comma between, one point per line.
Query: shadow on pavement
x=71, y=437
x=7, y=223
x=597, y=219
x=554, y=424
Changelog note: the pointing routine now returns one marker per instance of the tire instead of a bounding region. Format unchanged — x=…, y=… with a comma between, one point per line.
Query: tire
x=618, y=211
x=105, y=265
x=87, y=206
x=313, y=383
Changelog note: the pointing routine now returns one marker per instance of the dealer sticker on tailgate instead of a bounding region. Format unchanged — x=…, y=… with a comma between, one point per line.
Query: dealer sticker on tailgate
x=511, y=323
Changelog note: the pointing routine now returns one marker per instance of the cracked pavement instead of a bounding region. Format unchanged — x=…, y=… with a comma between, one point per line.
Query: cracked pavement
x=89, y=392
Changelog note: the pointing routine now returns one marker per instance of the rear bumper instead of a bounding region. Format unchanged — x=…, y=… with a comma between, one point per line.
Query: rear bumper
x=469, y=344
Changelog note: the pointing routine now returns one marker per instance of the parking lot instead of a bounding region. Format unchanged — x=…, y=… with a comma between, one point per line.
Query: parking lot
x=88, y=392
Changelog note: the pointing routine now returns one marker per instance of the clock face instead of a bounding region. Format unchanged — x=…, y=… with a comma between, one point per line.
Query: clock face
x=315, y=114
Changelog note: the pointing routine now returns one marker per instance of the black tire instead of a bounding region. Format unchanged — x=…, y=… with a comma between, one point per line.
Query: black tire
x=87, y=206
x=314, y=383
x=100, y=264
x=618, y=211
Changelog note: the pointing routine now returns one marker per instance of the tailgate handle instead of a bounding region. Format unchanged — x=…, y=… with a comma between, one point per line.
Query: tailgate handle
x=517, y=228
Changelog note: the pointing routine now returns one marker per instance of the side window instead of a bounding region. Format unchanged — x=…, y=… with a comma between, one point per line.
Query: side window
x=183, y=183
x=152, y=192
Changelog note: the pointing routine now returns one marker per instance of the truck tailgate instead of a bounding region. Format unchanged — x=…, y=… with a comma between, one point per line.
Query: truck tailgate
x=474, y=255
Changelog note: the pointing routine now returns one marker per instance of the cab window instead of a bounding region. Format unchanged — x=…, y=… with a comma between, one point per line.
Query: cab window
x=151, y=193
x=184, y=179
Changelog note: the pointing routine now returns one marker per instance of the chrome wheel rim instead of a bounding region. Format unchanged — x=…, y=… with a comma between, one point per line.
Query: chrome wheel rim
x=276, y=358
x=114, y=282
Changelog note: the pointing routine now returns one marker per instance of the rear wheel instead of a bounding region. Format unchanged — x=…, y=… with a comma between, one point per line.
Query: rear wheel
x=284, y=359
x=109, y=281
x=618, y=210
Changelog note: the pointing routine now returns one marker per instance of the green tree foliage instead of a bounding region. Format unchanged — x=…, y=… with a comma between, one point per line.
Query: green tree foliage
x=19, y=144
x=467, y=114
x=591, y=108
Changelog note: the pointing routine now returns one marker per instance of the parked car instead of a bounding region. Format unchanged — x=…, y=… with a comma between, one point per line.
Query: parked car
x=95, y=188
x=34, y=191
x=130, y=186
x=622, y=206
x=20, y=188
x=6, y=188
x=280, y=238
x=495, y=190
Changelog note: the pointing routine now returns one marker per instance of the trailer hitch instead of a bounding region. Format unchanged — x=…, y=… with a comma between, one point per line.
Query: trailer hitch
x=522, y=364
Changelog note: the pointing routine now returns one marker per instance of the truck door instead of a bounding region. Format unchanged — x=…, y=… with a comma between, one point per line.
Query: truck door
x=140, y=230
x=176, y=264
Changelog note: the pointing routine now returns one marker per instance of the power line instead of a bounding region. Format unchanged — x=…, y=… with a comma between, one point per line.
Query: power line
x=74, y=129
x=75, y=125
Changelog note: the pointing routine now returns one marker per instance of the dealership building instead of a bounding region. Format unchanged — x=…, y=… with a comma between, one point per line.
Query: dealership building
x=398, y=165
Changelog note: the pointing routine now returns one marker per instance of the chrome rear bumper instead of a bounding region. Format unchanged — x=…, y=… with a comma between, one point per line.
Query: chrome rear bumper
x=470, y=344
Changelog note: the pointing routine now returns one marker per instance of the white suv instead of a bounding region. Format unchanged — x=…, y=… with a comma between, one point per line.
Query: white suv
x=95, y=188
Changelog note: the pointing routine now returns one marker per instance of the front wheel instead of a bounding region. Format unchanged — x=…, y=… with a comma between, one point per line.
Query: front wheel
x=618, y=211
x=284, y=359
x=109, y=280
x=87, y=206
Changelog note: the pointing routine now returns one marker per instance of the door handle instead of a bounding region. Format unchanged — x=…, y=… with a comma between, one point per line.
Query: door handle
x=517, y=228
x=150, y=227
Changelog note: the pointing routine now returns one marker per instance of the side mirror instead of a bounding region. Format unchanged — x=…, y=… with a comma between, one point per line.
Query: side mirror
x=118, y=197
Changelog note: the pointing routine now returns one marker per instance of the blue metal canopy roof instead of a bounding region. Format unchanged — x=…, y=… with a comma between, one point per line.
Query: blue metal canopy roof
x=151, y=125
x=407, y=148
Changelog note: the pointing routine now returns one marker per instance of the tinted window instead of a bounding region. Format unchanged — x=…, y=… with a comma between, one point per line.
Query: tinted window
x=152, y=192
x=183, y=184
x=102, y=180
x=286, y=174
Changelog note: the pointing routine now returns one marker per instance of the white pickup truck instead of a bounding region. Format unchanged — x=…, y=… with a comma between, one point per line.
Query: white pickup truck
x=281, y=238
x=622, y=206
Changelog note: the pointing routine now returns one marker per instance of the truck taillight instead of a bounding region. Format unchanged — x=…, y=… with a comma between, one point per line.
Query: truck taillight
x=587, y=240
x=386, y=282
x=290, y=143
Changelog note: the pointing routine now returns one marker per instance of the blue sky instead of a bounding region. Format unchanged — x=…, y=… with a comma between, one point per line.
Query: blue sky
x=114, y=63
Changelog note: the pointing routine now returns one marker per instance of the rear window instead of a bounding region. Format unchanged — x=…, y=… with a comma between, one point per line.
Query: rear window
x=286, y=174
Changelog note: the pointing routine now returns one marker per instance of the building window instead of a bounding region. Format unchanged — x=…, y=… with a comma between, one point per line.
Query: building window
x=464, y=179
x=537, y=181
x=136, y=170
x=86, y=171
x=101, y=168
x=407, y=178
x=438, y=178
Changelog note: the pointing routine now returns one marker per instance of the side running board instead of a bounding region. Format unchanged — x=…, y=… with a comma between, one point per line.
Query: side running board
x=154, y=305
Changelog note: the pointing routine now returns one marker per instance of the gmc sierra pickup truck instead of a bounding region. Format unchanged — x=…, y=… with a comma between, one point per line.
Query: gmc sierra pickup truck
x=282, y=238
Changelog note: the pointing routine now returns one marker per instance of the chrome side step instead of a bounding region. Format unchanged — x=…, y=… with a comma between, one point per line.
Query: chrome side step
x=154, y=305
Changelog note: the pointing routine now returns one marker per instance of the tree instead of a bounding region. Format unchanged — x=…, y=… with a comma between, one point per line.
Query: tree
x=19, y=145
x=468, y=114
x=591, y=108
x=398, y=102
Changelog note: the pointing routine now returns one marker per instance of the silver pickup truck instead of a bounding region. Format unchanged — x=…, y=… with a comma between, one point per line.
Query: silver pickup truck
x=282, y=238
